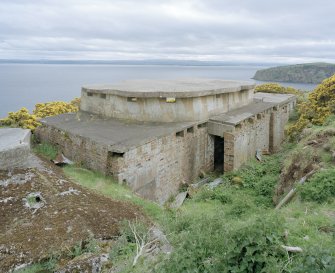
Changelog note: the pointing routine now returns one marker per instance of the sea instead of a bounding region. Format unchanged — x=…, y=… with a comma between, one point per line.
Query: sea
x=24, y=85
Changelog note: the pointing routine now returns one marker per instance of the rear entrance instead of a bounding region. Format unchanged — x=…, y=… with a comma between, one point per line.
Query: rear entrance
x=218, y=153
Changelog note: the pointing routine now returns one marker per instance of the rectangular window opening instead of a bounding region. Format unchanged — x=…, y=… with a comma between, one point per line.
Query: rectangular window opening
x=180, y=134
x=117, y=154
x=202, y=125
x=259, y=116
x=190, y=130
x=132, y=99
x=103, y=96
x=170, y=100
x=89, y=94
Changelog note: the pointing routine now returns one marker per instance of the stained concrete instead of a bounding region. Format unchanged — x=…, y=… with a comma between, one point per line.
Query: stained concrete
x=14, y=147
x=166, y=101
x=156, y=135
x=183, y=88
x=262, y=102
x=118, y=135
x=278, y=99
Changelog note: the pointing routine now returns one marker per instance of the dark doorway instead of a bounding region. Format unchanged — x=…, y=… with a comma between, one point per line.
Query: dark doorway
x=218, y=153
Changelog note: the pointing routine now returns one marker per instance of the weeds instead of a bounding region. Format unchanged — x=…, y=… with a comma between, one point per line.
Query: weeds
x=46, y=150
x=320, y=188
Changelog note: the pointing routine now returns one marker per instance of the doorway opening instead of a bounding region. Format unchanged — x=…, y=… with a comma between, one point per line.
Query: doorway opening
x=218, y=154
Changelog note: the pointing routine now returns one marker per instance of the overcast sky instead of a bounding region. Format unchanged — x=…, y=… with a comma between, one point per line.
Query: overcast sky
x=286, y=31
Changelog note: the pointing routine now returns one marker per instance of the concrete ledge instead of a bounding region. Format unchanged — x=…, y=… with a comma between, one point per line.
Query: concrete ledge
x=184, y=88
x=14, y=147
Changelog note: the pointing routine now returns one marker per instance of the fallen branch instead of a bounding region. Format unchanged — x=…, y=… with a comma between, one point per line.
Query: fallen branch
x=292, y=192
x=142, y=246
x=293, y=249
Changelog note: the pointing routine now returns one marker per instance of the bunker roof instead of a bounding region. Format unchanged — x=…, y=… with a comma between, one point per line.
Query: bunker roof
x=182, y=88
x=261, y=103
x=119, y=136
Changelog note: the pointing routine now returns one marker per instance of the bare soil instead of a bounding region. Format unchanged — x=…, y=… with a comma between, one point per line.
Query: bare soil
x=300, y=166
x=62, y=214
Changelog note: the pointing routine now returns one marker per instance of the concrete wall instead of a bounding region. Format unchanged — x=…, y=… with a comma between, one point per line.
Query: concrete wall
x=79, y=149
x=279, y=118
x=264, y=132
x=250, y=136
x=14, y=148
x=156, y=170
x=158, y=109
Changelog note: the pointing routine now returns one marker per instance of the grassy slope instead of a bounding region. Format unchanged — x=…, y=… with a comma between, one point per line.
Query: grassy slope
x=207, y=230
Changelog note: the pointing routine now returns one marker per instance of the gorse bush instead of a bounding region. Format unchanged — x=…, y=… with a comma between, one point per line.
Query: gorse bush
x=277, y=89
x=22, y=118
x=320, y=187
x=317, y=108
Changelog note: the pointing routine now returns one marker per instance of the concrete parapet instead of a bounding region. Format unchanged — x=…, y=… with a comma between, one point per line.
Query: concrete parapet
x=14, y=147
x=166, y=101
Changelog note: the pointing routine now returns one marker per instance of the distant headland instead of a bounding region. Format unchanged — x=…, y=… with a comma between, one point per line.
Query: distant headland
x=299, y=73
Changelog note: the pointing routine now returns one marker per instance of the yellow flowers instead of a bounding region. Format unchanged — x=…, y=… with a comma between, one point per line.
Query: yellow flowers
x=319, y=106
x=24, y=119
x=276, y=88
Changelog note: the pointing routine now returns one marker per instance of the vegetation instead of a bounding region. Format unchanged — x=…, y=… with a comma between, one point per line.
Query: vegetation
x=320, y=188
x=317, y=108
x=303, y=73
x=22, y=118
x=47, y=150
x=277, y=89
x=234, y=227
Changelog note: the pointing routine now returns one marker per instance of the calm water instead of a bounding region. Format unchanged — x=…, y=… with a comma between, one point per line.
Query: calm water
x=27, y=84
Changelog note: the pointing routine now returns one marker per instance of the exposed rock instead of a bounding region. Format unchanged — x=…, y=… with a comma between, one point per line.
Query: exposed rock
x=215, y=183
x=179, y=200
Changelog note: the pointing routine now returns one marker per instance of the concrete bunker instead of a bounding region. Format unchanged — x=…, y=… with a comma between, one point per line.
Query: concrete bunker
x=156, y=135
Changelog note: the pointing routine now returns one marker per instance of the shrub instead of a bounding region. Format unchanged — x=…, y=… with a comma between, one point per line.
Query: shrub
x=320, y=188
x=319, y=106
x=315, y=260
x=22, y=118
x=277, y=89
x=211, y=244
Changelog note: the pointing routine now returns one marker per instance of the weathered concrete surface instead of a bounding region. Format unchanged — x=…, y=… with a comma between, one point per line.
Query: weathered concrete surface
x=274, y=98
x=166, y=101
x=256, y=126
x=14, y=147
x=118, y=135
x=153, y=159
x=157, y=169
x=183, y=88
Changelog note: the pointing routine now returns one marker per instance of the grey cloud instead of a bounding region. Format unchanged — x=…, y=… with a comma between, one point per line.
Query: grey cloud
x=256, y=30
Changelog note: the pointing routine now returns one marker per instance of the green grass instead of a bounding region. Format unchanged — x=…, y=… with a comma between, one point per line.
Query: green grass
x=31, y=269
x=233, y=228
x=46, y=150
x=109, y=187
